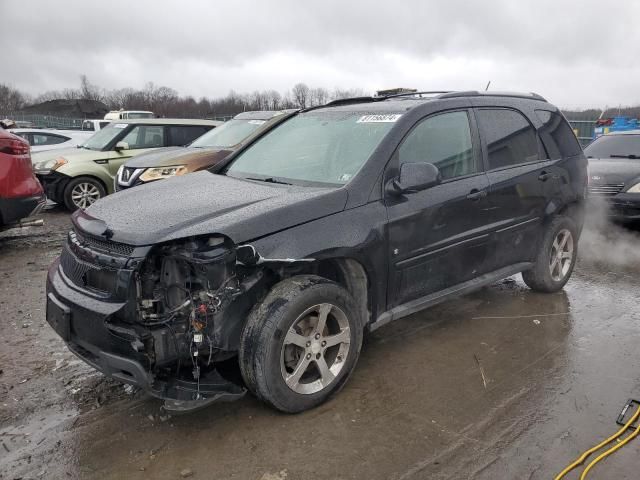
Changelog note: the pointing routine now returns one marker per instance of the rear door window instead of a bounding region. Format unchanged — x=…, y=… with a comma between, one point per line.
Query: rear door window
x=180, y=135
x=557, y=135
x=509, y=137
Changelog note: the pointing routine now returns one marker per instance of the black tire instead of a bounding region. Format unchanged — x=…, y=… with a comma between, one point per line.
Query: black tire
x=540, y=277
x=92, y=185
x=262, y=342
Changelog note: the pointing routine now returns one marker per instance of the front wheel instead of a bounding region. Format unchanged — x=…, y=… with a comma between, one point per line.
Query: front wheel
x=300, y=343
x=82, y=192
x=556, y=257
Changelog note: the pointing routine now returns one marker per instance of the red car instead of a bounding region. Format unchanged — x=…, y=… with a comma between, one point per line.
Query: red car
x=21, y=194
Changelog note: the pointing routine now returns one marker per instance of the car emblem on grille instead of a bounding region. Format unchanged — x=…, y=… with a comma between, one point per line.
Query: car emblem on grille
x=595, y=177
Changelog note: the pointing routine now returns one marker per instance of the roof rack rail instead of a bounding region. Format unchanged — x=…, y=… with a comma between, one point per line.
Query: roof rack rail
x=416, y=94
x=475, y=93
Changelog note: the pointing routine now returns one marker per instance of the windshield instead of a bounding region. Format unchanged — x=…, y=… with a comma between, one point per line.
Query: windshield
x=228, y=134
x=103, y=137
x=614, y=146
x=317, y=147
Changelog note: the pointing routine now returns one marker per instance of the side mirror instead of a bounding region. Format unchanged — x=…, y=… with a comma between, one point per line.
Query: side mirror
x=121, y=146
x=414, y=177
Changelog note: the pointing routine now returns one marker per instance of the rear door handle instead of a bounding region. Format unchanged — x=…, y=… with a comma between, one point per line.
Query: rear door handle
x=475, y=194
x=544, y=176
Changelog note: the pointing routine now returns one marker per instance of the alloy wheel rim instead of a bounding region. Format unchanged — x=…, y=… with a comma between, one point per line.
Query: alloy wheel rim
x=84, y=195
x=315, y=349
x=561, y=255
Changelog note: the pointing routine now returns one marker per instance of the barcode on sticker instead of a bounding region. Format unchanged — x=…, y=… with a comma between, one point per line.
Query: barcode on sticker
x=378, y=118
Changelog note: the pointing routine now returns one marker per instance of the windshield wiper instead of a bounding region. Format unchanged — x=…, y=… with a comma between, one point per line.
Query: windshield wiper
x=631, y=155
x=269, y=180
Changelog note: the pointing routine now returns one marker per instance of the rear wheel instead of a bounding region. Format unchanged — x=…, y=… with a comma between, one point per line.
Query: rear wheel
x=301, y=343
x=82, y=192
x=556, y=257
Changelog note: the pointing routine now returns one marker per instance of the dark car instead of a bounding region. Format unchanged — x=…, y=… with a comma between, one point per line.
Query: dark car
x=21, y=194
x=614, y=173
x=204, y=152
x=339, y=220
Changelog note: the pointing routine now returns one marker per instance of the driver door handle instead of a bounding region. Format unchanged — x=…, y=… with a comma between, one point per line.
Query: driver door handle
x=475, y=194
x=544, y=176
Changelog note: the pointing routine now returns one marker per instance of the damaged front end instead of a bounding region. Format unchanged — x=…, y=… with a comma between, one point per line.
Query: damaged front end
x=166, y=318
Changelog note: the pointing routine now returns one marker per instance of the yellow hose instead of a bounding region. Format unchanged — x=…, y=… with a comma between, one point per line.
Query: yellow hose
x=610, y=451
x=613, y=437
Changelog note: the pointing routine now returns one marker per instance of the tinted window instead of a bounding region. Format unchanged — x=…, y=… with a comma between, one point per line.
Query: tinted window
x=557, y=135
x=182, y=134
x=145, y=136
x=445, y=141
x=510, y=138
x=616, y=146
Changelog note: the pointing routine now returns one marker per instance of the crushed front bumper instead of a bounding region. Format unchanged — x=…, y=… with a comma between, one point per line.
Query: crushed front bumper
x=92, y=329
x=625, y=206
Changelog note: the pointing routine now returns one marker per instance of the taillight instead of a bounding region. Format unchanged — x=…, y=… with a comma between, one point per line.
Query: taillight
x=13, y=146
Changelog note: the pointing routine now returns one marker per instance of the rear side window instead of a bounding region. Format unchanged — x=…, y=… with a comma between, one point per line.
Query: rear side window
x=443, y=140
x=41, y=139
x=557, y=135
x=510, y=138
x=180, y=135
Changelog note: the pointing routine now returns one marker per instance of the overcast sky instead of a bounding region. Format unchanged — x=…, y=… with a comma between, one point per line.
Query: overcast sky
x=577, y=54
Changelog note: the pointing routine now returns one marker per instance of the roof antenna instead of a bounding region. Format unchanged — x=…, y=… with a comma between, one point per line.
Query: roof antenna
x=487, y=87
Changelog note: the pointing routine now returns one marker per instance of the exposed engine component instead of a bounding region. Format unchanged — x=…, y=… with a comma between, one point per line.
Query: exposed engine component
x=182, y=288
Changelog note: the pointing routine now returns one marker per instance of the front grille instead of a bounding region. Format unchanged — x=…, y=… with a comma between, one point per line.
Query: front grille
x=606, y=189
x=86, y=274
x=105, y=246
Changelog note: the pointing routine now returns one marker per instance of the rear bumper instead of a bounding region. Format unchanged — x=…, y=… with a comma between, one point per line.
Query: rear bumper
x=93, y=331
x=15, y=209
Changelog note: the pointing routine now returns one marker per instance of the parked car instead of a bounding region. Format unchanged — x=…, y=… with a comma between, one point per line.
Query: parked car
x=339, y=220
x=78, y=177
x=614, y=173
x=94, y=125
x=21, y=194
x=42, y=140
x=204, y=152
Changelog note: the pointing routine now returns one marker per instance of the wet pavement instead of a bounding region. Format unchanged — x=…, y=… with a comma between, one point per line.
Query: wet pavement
x=501, y=384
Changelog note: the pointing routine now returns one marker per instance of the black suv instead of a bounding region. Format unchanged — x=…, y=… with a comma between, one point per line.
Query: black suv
x=264, y=274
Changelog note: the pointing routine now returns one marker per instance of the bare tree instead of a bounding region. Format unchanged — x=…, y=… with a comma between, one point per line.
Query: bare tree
x=11, y=99
x=300, y=93
x=319, y=96
x=88, y=91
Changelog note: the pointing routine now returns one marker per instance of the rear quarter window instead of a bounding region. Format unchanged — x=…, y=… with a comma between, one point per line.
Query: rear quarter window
x=557, y=135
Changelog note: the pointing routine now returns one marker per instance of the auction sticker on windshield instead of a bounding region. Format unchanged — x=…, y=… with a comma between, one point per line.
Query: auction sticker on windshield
x=379, y=118
x=256, y=122
x=120, y=125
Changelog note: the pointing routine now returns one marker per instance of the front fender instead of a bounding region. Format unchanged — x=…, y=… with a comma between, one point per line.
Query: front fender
x=358, y=234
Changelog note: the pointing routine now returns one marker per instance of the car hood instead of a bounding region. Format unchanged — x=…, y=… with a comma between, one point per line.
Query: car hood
x=613, y=170
x=193, y=158
x=205, y=203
